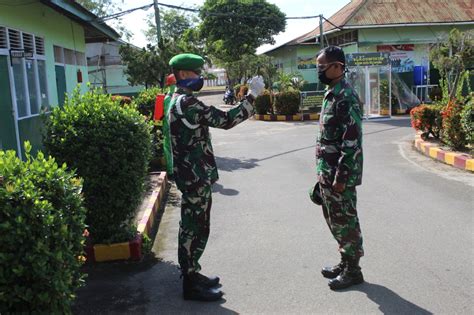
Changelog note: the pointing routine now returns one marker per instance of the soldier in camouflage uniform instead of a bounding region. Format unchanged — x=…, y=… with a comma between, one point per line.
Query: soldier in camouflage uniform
x=194, y=166
x=339, y=166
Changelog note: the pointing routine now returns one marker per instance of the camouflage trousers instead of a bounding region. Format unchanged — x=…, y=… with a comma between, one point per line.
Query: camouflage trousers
x=340, y=212
x=194, y=227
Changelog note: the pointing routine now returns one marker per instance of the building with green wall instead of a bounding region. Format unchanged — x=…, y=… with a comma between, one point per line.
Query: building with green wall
x=42, y=58
x=405, y=28
x=106, y=70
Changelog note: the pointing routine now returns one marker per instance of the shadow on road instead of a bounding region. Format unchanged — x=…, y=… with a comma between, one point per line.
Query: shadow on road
x=389, y=302
x=151, y=286
x=228, y=164
x=224, y=191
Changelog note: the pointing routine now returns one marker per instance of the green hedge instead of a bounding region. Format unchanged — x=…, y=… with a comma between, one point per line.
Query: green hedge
x=110, y=147
x=467, y=120
x=41, y=227
x=263, y=103
x=145, y=104
x=287, y=102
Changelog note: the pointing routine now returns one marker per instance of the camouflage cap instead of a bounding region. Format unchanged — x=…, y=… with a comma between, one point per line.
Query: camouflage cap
x=186, y=62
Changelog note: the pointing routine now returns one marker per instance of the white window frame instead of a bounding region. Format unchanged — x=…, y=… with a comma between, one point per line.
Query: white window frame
x=25, y=89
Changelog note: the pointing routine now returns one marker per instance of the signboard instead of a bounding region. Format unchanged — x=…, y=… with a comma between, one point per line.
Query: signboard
x=368, y=59
x=401, y=56
x=20, y=53
x=312, y=101
x=306, y=62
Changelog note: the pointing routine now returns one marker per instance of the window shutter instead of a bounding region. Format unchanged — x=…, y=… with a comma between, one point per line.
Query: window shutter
x=14, y=39
x=39, y=45
x=3, y=38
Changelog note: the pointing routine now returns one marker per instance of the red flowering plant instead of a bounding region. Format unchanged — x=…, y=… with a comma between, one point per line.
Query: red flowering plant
x=453, y=133
x=427, y=119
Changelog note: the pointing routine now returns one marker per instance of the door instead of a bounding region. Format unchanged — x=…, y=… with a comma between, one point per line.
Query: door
x=8, y=136
x=61, y=84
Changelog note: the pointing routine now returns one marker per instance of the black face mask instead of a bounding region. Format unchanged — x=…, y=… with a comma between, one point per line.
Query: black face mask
x=323, y=78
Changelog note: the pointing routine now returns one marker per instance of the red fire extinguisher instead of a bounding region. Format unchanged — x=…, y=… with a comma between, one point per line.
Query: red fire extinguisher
x=159, y=107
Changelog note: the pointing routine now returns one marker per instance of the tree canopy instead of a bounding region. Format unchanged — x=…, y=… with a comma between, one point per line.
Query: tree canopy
x=232, y=29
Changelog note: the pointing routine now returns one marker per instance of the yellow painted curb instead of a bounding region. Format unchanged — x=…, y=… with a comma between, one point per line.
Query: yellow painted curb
x=434, y=152
x=119, y=251
x=266, y=117
x=449, y=157
x=281, y=117
x=470, y=165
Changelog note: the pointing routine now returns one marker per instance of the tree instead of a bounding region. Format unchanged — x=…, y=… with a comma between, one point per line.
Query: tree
x=106, y=7
x=452, y=57
x=235, y=28
x=147, y=66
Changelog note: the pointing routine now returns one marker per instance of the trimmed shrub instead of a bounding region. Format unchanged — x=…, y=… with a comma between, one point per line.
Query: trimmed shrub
x=467, y=120
x=110, y=147
x=145, y=104
x=453, y=133
x=263, y=103
x=41, y=224
x=287, y=102
x=427, y=119
x=145, y=101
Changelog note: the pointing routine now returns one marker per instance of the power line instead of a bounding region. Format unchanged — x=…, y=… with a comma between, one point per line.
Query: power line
x=145, y=7
x=338, y=27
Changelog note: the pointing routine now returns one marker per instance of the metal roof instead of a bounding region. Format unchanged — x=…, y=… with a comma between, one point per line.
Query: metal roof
x=375, y=13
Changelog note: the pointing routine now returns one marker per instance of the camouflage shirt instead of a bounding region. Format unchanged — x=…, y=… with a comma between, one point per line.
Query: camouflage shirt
x=193, y=157
x=339, y=143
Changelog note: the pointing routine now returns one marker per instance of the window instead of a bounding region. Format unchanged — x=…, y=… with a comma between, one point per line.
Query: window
x=28, y=70
x=67, y=56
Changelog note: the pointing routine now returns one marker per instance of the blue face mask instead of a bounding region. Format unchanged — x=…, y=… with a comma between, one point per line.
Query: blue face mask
x=195, y=84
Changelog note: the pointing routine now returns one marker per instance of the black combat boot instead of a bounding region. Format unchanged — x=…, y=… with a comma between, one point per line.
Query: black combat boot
x=351, y=275
x=193, y=289
x=208, y=282
x=333, y=272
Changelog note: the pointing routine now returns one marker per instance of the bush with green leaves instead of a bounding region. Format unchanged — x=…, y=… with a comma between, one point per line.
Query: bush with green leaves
x=287, y=102
x=145, y=101
x=428, y=120
x=467, y=120
x=42, y=220
x=109, y=146
x=263, y=103
x=453, y=133
x=145, y=104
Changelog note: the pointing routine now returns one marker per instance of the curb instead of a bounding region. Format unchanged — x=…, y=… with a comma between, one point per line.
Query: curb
x=458, y=160
x=131, y=249
x=297, y=117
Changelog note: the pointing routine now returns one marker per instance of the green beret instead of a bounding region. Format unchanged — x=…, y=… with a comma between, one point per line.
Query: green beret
x=186, y=62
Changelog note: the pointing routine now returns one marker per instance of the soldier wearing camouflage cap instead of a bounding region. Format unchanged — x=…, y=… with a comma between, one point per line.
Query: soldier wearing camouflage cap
x=339, y=166
x=194, y=166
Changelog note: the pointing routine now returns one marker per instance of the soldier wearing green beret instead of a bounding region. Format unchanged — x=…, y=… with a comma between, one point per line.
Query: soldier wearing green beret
x=194, y=166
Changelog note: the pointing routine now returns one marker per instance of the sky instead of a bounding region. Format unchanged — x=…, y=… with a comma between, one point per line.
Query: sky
x=135, y=21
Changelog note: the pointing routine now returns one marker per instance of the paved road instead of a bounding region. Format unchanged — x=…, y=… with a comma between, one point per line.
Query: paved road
x=268, y=241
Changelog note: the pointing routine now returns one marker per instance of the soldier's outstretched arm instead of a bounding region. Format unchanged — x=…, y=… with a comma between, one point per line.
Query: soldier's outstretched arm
x=211, y=116
x=351, y=145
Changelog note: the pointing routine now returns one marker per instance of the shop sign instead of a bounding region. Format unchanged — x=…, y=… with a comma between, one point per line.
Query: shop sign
x=368, y=59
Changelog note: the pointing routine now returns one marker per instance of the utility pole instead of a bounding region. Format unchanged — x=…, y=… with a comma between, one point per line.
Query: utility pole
x=157, y=20
x=321, y=40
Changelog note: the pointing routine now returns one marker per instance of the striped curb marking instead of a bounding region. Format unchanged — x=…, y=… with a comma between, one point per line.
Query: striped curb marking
x=297, y=117
x=458, y=160
x=132, y=249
